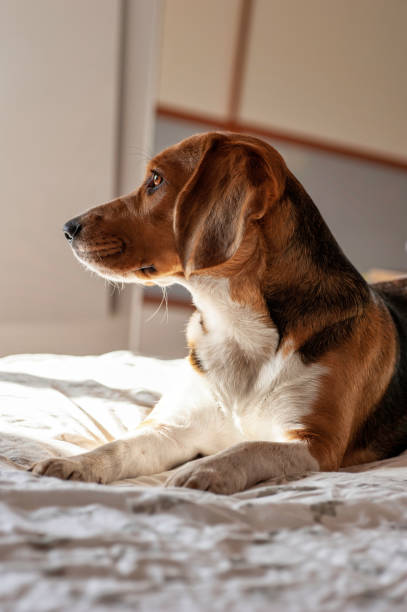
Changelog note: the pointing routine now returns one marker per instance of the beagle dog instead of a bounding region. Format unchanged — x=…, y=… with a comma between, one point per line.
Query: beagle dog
x=296, y=364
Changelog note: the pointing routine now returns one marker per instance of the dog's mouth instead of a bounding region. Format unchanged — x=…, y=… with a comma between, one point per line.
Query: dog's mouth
x=146, y=270
x=99, y=251
x=105, y=258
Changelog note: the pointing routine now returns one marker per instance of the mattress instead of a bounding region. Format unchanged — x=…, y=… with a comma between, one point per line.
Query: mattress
x=323, y=542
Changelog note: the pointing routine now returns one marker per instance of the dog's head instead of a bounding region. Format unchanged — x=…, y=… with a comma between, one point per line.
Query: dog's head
x=198, y=204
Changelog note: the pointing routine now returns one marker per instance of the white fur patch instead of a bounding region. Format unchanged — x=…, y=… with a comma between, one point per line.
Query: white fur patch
x=261, y=393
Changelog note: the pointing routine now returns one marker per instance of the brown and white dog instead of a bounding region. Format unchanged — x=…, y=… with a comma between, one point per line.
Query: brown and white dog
x=295, y=363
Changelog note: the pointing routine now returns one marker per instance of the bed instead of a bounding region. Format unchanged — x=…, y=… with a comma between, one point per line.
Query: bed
x=325, y=541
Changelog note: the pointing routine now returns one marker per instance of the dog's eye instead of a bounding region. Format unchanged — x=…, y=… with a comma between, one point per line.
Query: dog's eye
x=154, y=181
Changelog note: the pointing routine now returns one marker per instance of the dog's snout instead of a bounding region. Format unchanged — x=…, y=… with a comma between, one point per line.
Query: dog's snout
x=72, y=228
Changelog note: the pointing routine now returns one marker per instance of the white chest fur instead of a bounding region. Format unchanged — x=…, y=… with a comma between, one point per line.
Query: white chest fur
x=262, y=393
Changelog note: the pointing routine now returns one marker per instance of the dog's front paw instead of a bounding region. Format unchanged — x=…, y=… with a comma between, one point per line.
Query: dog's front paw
x=208, y=474
x=71, y=468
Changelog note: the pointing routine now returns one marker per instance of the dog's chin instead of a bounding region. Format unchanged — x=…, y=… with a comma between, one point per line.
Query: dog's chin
x=98, y=263
x=143, y=275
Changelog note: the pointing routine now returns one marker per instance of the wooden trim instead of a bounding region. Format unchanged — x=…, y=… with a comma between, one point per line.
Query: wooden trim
x=307, y=142
x=170, y=112
x=242, y=42
x=156, y=300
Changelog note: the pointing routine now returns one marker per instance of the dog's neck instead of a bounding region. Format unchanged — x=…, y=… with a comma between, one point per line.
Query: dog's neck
x=229, y=337
x=213, y=297
x=289, y=273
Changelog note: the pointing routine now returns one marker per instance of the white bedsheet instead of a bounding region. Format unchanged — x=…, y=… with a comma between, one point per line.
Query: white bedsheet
x=328, y=542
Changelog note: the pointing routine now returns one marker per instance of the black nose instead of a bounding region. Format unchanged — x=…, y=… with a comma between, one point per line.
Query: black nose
x=72, y=228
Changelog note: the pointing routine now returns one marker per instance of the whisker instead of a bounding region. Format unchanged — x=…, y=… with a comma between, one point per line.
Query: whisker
x=163, y=299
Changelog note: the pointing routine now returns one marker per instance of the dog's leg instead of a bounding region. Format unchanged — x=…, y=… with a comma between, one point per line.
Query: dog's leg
x=244, y=465
x=179, y=428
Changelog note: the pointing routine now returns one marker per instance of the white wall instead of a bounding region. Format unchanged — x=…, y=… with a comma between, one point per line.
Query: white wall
x=62, y=67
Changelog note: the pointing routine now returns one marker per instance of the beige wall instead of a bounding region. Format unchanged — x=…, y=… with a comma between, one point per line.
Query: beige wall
x=58, y=112
x=198, y=46
x=332, y=70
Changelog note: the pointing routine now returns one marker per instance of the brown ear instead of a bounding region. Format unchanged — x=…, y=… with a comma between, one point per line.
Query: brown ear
x=232, y=185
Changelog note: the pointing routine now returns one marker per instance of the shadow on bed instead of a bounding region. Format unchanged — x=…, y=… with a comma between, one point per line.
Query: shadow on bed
x=18, y=451
x=90, y=388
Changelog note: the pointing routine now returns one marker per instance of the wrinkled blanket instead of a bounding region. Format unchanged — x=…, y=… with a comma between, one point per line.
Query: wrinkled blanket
x=328, y=541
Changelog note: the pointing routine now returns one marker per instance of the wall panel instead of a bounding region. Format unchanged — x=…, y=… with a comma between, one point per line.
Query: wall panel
x=198, y=48
x=333, y=70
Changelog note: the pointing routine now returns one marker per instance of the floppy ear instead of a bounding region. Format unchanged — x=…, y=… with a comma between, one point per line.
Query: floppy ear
x=232, y=185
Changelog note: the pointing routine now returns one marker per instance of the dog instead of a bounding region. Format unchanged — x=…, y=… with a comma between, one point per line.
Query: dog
x=296, y=364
